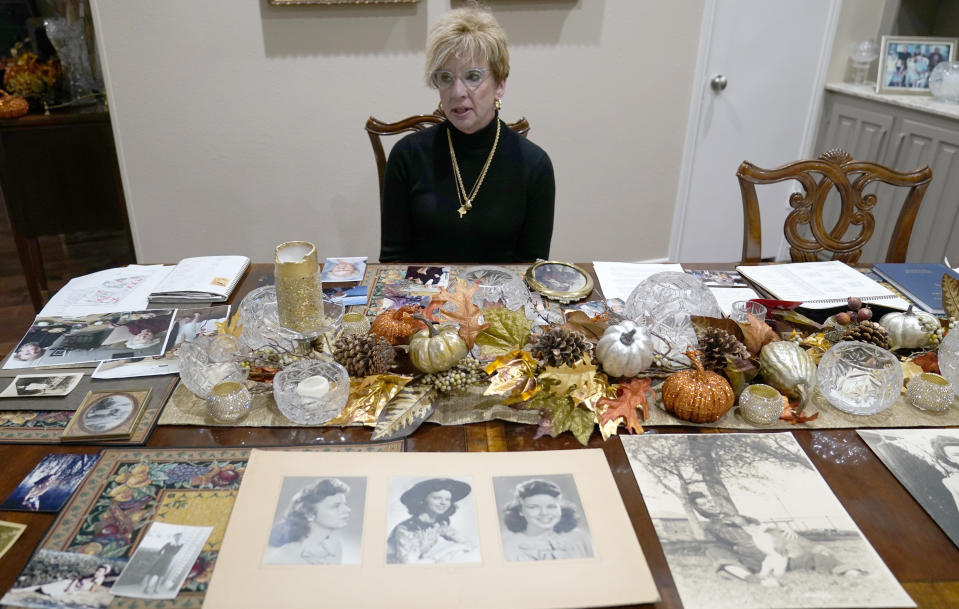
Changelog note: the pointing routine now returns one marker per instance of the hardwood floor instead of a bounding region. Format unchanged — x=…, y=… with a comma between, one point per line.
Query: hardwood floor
x=64, y=256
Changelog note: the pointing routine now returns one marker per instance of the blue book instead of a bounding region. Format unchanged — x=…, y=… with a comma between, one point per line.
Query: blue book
x=920, y=282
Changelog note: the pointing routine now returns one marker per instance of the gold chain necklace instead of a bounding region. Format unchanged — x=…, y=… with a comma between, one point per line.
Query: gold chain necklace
x=466, y=200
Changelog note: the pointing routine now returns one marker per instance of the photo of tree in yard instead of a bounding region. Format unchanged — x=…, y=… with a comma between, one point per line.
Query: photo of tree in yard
x=746, y=521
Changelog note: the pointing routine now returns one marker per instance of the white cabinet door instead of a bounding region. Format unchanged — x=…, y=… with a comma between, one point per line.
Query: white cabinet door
x=773, y=56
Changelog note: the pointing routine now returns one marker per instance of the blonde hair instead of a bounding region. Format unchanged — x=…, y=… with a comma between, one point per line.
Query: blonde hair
x=466, y=33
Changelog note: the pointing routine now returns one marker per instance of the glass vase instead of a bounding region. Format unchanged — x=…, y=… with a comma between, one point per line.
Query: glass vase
x=944, y=82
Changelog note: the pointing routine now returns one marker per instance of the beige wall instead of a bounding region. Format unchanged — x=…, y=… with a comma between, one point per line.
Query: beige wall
x=239, y=125
x=858, y=20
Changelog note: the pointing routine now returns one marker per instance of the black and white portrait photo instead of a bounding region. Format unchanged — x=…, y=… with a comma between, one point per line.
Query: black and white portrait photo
x=559, y=277
x=746, y=521
x=161, y=561
x=432, y=520
x=541, y=518
x=41, y=385
x=109, y=412
x=318, y=521
x=926, y=462
x=64, y=580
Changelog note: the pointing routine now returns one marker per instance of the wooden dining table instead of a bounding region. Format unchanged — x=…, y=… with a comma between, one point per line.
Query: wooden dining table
x=915, y=549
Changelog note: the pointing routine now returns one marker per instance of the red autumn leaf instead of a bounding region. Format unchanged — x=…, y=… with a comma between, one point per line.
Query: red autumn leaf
x=630, y=396
x=790, y=410
x=929, y=362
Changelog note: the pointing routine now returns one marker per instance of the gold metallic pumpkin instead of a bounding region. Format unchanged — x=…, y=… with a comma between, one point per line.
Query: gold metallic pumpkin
x=698, y=396
x=434, y=351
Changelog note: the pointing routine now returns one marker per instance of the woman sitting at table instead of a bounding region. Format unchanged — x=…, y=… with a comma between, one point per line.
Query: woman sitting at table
x=469, y=189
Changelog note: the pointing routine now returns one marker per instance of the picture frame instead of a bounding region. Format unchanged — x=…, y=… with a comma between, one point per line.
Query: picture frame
x=106, y=415
x=905, y=63
x=562, y=281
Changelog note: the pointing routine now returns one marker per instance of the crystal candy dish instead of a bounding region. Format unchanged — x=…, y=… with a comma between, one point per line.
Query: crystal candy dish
x=261, y=326
x=311, y=392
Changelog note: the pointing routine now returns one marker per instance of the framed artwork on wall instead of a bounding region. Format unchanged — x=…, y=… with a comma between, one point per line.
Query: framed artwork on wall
x=905, y=62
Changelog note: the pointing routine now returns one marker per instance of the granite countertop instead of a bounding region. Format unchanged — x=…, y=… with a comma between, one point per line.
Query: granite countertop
x=923, y=103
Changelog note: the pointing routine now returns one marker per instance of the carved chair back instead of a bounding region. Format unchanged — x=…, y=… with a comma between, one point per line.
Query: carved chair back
x=376, y=128
x=834, y=169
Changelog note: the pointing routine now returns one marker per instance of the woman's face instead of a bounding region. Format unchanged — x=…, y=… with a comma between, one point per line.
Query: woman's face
x=542, y=512
x=333, y=512
x=470, y=109
x=438, y=502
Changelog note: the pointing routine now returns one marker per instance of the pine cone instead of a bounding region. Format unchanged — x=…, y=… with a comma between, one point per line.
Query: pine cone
x=869, y=332
x=560, y=347
x=364, y=354
x=716, y=344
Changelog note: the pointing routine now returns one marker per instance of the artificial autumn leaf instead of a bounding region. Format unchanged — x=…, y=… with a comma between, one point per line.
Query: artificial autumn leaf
x=591, y=327
x=909, y=371
x=467, y=314
x=434, y=307
x=739, y=373
x=929, y=362
x=950, y=296
x=564, y=415
x=593, y=390
x=233, y=327
x=513, y=376
x=756, y=334
x=792, y=413
x=630, y=397
x=563, y=379
x=795, y=318
x=507, y=330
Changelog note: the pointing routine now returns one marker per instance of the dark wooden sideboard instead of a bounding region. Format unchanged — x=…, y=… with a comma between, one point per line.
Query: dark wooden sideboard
x=59, y=174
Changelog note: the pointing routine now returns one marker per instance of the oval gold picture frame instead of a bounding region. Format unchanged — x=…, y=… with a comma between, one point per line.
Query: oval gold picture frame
x=562, y=281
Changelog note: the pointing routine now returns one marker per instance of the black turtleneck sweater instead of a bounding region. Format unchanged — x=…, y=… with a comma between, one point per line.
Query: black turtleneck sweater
x=512, y=216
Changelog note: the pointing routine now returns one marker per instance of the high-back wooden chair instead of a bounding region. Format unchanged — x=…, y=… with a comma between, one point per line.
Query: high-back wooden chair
x=376, y=128
x=834, y=169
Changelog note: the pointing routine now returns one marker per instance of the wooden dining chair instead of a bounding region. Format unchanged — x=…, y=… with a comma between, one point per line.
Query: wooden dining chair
x=806, y=228
x=376, y=128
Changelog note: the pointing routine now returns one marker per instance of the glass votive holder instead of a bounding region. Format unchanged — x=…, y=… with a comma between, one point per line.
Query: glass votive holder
x=229, y=402
x=355, y=323
x=859, y=378
x=741, y=308
x=210, y=360
x=930, y=392
x=760, y=404
x=312, y=391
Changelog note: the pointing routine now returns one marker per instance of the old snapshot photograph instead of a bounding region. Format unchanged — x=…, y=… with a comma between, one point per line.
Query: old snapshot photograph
x=50, y=484
x=161, y=561
x=54, y=341
x=926, y=462
x=746, y=521
x=431, y=521
x=41, y=385
x=64, y=580
x=107, y=415
x=541, y=518
x=318, y=521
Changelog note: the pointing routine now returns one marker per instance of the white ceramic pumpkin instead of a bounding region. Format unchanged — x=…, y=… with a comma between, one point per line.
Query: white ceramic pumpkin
x=625, y=349
x=910, y=329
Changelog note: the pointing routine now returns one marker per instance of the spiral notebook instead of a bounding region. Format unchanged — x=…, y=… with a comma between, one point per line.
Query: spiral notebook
x=820, y=285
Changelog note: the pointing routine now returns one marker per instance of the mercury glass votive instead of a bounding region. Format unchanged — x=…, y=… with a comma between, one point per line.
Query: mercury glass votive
x=930, y=392
x=859, y=378
x=229, y=402
x=355, y=323
x=312, y=391
x=760, y=404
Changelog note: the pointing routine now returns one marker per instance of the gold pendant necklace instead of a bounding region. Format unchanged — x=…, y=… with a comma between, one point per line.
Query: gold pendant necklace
x=466, y=199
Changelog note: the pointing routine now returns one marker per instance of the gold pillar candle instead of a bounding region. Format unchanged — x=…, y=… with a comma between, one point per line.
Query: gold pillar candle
x=299, y=289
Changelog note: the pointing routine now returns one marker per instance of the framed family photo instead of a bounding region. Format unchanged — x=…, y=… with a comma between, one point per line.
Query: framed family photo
x=905, y=62
x=106, y=415
x=562, y=281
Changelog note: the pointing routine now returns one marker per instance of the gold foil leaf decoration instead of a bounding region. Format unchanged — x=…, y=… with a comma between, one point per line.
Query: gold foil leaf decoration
x=467, y=314
x=405, y=413
x=507, y=330
x=368, y=396
x=563, y=379
x=950, y=296
x=232, y=327
x=513, y=376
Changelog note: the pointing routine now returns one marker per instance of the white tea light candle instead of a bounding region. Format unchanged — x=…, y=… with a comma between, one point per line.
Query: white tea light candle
x=313, y=388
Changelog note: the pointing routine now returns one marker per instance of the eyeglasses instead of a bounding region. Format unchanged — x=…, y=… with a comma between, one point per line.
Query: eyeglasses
x=472, y=78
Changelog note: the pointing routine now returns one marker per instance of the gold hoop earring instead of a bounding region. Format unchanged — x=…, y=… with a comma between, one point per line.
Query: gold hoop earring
x=498, y=104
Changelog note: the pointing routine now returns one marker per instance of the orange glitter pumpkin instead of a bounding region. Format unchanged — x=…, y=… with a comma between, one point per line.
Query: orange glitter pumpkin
x=397, y=324
x=698, y=396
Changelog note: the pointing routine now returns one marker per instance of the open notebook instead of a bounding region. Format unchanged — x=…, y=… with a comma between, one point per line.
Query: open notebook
x=201, y=279
x=820, y=285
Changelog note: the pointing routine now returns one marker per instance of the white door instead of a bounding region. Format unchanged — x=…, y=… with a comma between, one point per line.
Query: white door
x=758, y=87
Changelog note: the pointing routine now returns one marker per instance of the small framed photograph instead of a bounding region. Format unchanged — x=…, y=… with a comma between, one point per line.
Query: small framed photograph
x=41, y=385
x=906, y=62
x=106, y=415
x=9, y=533
x=562, y=281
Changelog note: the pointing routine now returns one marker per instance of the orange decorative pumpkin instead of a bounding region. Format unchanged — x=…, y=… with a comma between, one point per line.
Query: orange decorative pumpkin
x=12, y=106
x=698, y=396
x=397, y=324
